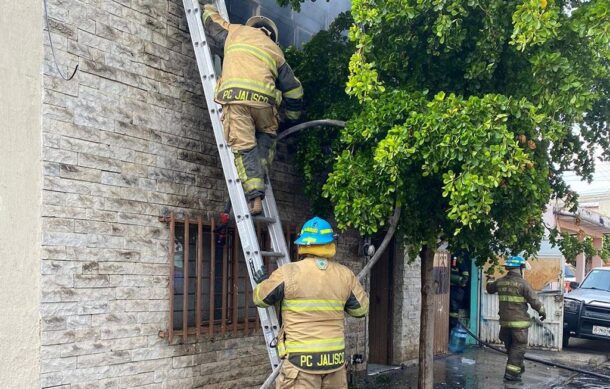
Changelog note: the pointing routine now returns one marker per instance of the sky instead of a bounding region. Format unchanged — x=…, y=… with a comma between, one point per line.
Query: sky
x=600, y=183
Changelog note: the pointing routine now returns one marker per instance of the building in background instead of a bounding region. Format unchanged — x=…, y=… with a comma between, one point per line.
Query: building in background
x=593, y=216
x=597, y=191
x=584, y=223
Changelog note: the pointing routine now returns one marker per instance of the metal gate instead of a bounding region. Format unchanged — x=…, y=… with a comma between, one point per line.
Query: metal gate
x=546, y=336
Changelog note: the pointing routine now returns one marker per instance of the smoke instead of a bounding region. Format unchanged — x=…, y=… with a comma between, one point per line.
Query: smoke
x=332, y=8
x=296, y=28
x=315, y=16
x=323, y=12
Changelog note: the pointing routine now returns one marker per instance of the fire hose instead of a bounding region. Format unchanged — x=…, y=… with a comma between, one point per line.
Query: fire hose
x=314, y=123
x=537, y=360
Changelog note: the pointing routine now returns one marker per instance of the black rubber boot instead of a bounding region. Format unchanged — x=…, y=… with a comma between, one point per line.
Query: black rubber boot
x=510, y=377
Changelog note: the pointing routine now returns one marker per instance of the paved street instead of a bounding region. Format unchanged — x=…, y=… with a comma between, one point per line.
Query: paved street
x=483, y=369
x=589, y=355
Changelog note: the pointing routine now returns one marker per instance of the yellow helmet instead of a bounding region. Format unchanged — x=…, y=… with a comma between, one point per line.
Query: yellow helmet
x=266, y=24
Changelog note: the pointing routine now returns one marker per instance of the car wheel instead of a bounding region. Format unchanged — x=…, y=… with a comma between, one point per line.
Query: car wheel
x=565, y=340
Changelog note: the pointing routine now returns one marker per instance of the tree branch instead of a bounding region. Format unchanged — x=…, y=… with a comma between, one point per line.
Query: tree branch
x=383, y=246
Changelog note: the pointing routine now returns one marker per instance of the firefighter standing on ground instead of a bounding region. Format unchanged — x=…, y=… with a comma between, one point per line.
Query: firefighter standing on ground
x=314, y=293
x=514, y=295
x=459, y=280
x=255, y=80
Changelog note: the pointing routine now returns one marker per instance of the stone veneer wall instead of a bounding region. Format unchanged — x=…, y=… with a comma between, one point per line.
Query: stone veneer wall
x=407, y=304
x=127, y=138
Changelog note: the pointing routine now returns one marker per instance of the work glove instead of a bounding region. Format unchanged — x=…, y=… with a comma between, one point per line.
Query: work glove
x=259, y=276
x=542, y=315
x=210, y=8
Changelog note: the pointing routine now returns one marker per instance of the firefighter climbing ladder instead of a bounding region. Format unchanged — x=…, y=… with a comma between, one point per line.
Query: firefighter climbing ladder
x=245, y=222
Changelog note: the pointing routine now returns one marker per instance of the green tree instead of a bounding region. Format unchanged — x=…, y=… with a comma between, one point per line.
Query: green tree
x=295, y=4
x=573, y=245
x=605, y=251
x=469, y=112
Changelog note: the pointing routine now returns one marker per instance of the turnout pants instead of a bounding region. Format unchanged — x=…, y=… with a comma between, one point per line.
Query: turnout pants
x=292, y=378
x=456, y=302
x=251, y=133
x=515, y=341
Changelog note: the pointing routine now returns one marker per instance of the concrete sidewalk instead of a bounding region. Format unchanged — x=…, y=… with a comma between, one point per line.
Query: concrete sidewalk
x=479, y=368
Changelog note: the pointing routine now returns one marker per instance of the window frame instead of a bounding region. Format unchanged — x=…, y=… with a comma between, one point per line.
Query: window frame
x=236, y=289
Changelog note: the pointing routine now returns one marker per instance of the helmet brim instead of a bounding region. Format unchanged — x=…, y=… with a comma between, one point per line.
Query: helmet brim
x=266, y=23
x=308, y=239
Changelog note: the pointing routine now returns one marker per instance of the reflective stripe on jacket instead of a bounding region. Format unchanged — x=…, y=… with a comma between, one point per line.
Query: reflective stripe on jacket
x=514, y=295
x=254, y=71
x=314, y=295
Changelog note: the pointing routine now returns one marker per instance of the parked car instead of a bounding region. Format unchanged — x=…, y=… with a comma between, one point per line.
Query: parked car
x=586, y=310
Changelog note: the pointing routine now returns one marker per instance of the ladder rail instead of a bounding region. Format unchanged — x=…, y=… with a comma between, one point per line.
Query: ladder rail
x=221, y=6
x=245, y=225
x=276, y=232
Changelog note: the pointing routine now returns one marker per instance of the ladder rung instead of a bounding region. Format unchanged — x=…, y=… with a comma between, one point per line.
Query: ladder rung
x=264, y=219
x=271, y=254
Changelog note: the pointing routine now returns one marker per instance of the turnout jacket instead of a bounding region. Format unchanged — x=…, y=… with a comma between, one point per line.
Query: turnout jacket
x=514, y=294
x=313, y=293
x=254, y=71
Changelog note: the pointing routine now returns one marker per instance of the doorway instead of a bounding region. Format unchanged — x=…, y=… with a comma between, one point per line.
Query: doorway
x=380, y=311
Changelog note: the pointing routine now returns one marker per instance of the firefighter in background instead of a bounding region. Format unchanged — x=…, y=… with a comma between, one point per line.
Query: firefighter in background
x=255, y=80
x=457, y=296
x=314, y=294
x=514, y=295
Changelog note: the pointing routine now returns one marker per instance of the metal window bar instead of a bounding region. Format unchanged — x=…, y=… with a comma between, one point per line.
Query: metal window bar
x=171, y=260
x=199, y=287
x=235, y=279
x=185, y=278
x=209, y=295
x=212, y=279
x=223, y=318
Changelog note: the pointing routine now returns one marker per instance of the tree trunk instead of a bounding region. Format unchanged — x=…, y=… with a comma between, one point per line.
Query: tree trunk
x=426, y=331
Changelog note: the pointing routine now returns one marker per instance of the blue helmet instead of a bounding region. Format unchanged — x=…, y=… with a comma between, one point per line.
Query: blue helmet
x=316, y=231
x=514, y=262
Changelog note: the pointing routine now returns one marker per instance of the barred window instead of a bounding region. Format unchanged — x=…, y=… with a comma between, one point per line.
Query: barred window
x=212, y=271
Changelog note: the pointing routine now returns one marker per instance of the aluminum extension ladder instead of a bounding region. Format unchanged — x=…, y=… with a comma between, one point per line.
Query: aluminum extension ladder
x=245, y=222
